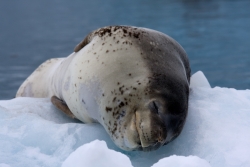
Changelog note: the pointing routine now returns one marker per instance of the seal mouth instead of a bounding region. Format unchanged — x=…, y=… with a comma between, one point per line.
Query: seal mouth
x=152, y=147
x=138, y=134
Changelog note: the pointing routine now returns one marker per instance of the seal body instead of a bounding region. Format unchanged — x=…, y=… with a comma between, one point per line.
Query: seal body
x=133, y=81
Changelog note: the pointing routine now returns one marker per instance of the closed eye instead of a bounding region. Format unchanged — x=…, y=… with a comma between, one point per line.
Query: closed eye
x=155, y=107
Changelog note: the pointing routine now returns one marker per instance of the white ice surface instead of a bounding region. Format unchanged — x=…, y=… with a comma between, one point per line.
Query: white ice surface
x=98, y=156
x=181, y=161
x=199, y=80
x=217, y=133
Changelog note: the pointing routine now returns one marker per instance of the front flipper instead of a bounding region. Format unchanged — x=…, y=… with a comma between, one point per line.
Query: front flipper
x=62, y=106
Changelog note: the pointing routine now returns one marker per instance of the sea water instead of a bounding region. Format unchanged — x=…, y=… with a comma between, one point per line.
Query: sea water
x=214, y=33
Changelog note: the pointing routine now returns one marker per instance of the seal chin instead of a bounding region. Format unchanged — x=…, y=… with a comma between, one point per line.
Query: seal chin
x=152, y=147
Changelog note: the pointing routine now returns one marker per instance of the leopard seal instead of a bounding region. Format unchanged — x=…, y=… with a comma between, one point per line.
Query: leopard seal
x=133, y=81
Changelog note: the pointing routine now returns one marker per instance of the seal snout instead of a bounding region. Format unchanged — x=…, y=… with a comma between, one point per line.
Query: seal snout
x=151, y=129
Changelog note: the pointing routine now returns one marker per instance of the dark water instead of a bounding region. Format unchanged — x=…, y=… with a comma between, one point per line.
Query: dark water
x=214, y=33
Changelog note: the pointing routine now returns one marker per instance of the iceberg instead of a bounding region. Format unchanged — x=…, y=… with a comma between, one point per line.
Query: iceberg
x=217, y=132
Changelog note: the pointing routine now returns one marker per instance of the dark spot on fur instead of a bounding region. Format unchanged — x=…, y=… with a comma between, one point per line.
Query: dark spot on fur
x=136, y=35
x=121, y=104
x=113, y=131
x=108, y=109
x=103, y=31
x=125, y=31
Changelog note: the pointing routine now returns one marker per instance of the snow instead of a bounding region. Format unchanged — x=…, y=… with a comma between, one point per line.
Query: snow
x=98, y=155
x=217, y=132
x=181, y=161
